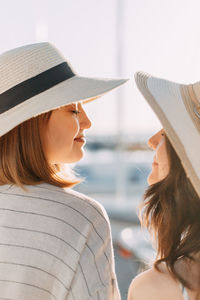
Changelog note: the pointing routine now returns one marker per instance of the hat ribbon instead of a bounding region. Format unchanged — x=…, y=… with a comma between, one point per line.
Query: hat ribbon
x=34, y=86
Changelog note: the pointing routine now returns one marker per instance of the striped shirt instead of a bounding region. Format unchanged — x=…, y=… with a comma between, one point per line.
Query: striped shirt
x=55, y=244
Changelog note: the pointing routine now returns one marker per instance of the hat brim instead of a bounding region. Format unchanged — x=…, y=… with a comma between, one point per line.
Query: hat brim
x=166, y=100
x=69, y=91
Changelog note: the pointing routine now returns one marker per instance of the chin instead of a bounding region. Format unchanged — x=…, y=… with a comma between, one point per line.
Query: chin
x=80, y=156
x=76, y=157
x=151, y=180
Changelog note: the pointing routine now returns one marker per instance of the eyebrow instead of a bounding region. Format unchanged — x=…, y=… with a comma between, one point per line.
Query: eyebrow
x=70, y=106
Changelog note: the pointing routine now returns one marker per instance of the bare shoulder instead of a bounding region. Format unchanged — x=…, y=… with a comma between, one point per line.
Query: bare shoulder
x=154, y=285
x=143, y=286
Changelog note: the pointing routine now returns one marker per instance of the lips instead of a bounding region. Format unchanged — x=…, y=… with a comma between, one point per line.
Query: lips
x=80, y=139
x=154, y=161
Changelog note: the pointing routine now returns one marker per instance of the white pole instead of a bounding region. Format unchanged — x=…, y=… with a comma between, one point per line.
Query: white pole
x=120, y=176
x=41, y=30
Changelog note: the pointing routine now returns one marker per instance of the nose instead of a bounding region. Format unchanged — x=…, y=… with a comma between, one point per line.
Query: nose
x=84, y=120
x=152, y=142
x=86, y=123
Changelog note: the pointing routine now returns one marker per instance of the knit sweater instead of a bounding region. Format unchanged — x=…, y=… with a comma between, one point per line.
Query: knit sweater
x=55, y=244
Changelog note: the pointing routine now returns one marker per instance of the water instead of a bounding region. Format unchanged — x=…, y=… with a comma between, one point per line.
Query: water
x=100, y=170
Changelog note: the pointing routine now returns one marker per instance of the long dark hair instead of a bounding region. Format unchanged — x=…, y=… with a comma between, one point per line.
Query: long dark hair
x=171, y=211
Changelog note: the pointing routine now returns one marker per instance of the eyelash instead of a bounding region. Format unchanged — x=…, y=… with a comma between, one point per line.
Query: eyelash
x=76, y=112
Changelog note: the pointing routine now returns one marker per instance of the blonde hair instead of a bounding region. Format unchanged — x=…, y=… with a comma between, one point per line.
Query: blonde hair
x=22, y=158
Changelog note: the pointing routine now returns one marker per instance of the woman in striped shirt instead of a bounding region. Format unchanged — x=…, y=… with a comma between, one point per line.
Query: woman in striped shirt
x=55, y=243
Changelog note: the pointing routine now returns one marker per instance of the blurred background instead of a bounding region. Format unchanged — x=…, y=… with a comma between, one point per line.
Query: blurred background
x=115, y=38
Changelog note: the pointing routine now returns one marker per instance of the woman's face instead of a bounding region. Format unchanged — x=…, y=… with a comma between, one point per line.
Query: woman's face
x=160, y=165
x=64, y=137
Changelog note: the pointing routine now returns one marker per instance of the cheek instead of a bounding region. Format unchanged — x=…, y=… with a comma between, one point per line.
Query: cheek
x=163, y=170
x=163, y=164
x=60, y=136
x=63, y=139
x=64, y=130
x=72, y=127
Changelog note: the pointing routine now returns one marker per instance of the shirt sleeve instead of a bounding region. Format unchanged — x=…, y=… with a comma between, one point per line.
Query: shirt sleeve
x=95, y=277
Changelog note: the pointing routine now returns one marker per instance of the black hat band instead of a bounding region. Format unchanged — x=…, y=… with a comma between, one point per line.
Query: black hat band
x=34, y=86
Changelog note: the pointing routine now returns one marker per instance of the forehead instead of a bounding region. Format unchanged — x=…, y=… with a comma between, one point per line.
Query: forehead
x=158, y=136
x=162, y=131
x=68, y=106
x=158, y=133
x=74, y=104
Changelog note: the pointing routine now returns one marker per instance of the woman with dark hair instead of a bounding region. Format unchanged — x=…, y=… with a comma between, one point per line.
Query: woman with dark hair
x=55, y=243
x=171, y=208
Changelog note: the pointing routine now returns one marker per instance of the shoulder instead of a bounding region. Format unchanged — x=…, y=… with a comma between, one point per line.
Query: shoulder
x=154, y=285
x=83, y=201
x=143, y=285
x=62, y=197
x=89, y=202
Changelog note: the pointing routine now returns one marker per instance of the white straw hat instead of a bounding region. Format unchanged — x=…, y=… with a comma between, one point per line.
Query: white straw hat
x=36, y=78
x=178, y=108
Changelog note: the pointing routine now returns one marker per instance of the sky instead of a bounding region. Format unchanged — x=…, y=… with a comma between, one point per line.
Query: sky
x=113, y=38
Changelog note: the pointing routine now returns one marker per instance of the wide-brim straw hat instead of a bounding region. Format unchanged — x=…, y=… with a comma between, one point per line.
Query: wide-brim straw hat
x=36, y=78
x=178, y=108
